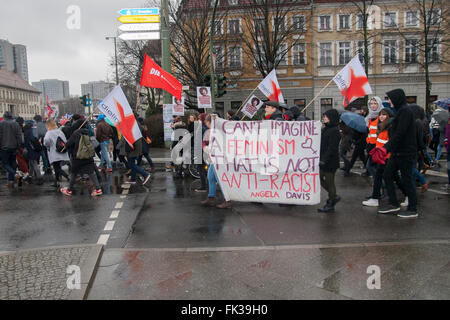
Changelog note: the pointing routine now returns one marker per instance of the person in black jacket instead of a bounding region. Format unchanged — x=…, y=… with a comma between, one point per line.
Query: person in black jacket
x=329, y=157
x=272, y=112
x=402, y=145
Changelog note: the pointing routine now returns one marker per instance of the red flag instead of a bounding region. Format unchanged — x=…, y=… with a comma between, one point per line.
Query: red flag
x=153, y=76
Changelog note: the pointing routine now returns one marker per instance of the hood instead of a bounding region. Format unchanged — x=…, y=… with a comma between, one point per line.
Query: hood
x=296, y=111
x=77, y=124
x=397, y=97
x=333, y=116
x=373, y=114
x=418, y=111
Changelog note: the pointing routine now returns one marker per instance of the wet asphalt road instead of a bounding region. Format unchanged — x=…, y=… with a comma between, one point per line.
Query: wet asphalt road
x=167, y=214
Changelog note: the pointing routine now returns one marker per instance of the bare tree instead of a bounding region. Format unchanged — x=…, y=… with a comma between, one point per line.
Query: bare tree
x=428, y=19
x=190, y=39
x=268, y=35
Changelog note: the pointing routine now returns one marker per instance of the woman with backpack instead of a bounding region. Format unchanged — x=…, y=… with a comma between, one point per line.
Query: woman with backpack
x=33, y=153
x=52, y=137
x=83, y=153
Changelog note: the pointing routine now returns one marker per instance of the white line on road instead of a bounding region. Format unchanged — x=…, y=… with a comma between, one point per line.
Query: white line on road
x=103, y=239
x=114, y=214
x=123, y=197
x=118, y=205
x=436, y=191
x=125, y=191
x=436, y=174
x=109, y=225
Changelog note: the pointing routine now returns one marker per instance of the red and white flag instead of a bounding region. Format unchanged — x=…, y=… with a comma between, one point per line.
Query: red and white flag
x=116, y=108
x=50, y=111
x=270, y=87
x=352, y=81
x=153, y=76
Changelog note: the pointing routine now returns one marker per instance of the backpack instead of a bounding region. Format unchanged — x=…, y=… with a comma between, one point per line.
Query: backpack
x=60, y=145
x=85, y=148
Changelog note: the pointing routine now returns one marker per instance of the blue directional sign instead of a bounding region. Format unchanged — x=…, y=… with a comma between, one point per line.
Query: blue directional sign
x=139, y=11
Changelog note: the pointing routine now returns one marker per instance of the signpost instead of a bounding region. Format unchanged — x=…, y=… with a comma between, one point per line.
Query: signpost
x=139, y=11
x=139, y=36
x=140, y=27
x=139, y=19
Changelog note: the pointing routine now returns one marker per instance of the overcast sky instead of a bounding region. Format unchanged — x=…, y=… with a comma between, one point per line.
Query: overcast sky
x=55, y=51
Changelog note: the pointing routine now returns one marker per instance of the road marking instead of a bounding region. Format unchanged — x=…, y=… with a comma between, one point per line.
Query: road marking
x=123, y=197
x=125, y=191
x=436, y=173
x=103, y=239
x=109, y=225
x=118, y=205
x=436, y=191
x=114, y=214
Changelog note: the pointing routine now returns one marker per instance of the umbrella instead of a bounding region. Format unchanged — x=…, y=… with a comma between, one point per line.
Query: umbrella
x=354, y=121
x=444, y=103
x=441, y=116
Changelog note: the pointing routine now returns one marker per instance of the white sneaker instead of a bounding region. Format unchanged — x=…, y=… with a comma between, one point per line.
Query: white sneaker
x=371, y=203
x=405, y=203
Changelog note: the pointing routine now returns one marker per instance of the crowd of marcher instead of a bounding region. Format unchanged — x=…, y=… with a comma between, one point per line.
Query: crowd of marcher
x=25, y=145
x=393, y=147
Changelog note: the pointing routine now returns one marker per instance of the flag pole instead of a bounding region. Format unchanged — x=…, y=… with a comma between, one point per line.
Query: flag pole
x=317, y=95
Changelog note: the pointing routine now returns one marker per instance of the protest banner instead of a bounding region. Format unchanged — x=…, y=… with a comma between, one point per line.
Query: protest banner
x=167, y=121
x=267, y=161
x=252, y=106
x=204, y=97
x=177, y=106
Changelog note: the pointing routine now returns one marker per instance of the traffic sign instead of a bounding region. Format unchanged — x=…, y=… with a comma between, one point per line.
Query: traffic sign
x=139, y=36
x=138, y=11
x=140, y=27
x=139, y=19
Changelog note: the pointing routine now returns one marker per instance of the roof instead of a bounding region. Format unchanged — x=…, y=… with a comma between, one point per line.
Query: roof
x=13, y=80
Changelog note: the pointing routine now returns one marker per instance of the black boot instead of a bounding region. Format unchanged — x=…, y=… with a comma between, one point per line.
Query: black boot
x=336, y=200
x=328, y=207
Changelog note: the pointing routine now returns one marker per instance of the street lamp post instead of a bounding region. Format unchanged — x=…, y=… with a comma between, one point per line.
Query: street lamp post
x=115, y=55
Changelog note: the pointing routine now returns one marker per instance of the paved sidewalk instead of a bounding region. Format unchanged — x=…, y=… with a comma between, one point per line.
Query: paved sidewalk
x=42, y=273
x=408, y=271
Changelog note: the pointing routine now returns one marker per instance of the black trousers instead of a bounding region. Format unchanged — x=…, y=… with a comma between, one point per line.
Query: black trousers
x=327, y=182
x=203, y=174
x=405, y=165
x=359, y=151
x=59, y=171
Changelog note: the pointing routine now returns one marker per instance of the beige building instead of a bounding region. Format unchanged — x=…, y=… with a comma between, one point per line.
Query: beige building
x=329, y=38
x=18, y=97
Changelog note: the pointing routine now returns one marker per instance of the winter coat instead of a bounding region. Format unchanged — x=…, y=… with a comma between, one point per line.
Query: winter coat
x=82, y=166
x=41, y=129
x=50, y=143
x=29, y=141
x=11, y=136
x=103, y=131
x=329, y=145
x=346, y=137
x=402, y=132
x=419, y=126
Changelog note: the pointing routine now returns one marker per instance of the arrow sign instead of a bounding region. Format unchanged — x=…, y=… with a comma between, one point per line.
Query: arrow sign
x=138, y=11
x=140, y=27
x=139, y=19
x=139, y=36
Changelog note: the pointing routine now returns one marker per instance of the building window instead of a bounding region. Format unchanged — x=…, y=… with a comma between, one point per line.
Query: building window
x=433, y=50
x=433, y=17
x=361, y=51
x=390, y=51
x=235, y=105
x=298, y=23
x=325, y=54
x=411, y=19
x=411, y=50
x=234, y=26
x=218, y=28
x=281, y=58
x=298, y=54
x=360, y=22
x=344, y=22
x=390, y=19
x=259, y=25
x=325, y=23
x=344, y=52
x=235, y=57
x=218, y=52
x=326, y=104
x=279, y=24
x=260, y=54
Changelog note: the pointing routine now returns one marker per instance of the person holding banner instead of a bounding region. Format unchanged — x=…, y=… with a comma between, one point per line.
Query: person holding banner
x=329, y=158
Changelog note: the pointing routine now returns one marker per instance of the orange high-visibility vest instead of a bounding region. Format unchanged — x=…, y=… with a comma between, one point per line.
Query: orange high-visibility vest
x=372, y=136
x=382, y=139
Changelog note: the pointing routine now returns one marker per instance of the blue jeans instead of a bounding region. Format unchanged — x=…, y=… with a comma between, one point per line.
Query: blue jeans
x=104, y=154
x=135, y=169
x=418, y=175
x=212, y=180
x=147, y=156
x=439, y=152
x=8, y=158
